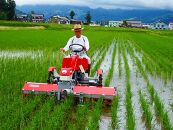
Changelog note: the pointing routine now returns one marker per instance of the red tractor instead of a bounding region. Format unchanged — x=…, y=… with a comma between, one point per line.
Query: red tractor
x=72, y=79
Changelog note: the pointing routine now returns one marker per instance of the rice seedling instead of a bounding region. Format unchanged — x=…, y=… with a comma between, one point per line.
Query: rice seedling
x=57, y=118
x=94, y=118
x=119, y=61
x=39, y=118
x=13, y=121
x=161, y=113
x=96, y=67
x=81, y=117
x=159, y=107
x=147, y=115
x=114, y=111
x=130, y=119
x=111, y=70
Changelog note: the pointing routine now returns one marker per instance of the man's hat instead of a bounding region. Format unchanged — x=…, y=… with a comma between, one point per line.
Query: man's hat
x=77, y=27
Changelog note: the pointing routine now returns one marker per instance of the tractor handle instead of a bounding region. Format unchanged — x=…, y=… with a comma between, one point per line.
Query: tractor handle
x=83, y=48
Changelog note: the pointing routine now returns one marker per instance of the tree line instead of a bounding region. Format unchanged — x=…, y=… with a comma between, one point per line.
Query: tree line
x=87, y=16
x=7, y=9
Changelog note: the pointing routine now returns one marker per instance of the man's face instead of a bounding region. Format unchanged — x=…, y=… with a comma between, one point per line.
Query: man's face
x=78, y=33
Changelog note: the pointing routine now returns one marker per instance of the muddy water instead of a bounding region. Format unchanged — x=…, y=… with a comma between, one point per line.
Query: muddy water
x=106, y=64
x=164, y=93
x=135, y=98
x=105, y=119
x=163, y=90
x=96, y=57
x=120, y=84
x=20, y=54
x=138, y=83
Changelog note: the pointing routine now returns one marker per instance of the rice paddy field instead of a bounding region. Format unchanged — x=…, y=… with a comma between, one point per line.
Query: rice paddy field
x=138, y=62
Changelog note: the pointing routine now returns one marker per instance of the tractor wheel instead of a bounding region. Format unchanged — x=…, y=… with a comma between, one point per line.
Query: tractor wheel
x=50, y=78
x=64, y=95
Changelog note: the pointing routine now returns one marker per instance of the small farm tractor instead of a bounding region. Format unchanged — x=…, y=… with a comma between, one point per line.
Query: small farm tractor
x=72, y=79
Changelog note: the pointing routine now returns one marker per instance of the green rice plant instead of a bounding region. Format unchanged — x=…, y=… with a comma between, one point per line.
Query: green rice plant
x=57, y=118
x=81, y=116
x=111, y=70
x=21, y=114
x=94, y=118
x=157, y=46
x=114, y=111
x=159, y=107
x=96, y=67
x=151, y=91
x=147, y=115
x=119, y=61
x=161, y=113
x=130, y=119
x=40, y=116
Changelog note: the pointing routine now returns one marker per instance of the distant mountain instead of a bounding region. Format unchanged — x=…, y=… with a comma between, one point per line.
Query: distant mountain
x=100, y=14
x=19, y=12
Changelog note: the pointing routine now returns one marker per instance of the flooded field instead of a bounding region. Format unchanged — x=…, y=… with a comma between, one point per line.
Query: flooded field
x=20, y=54
x=144, y=86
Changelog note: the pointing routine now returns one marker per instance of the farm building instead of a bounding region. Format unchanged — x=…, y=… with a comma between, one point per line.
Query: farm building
x=37, y=17
x=60, y=20
x=22, y=17
x=115, y=23
x=134, y=23
x=171, y=26
x=159, y=25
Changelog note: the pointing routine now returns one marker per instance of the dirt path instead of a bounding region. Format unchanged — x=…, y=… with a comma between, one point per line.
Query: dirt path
x=20, y=28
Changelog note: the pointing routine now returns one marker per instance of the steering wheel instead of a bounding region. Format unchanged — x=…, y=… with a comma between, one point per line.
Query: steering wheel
x=83, y=48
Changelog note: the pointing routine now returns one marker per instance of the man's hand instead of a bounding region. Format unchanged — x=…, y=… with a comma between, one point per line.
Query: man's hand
x=84, y=48
x=62, y=50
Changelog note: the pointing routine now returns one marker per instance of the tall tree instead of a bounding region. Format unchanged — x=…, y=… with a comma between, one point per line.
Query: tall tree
x=72, y=14
x=7, y=9
x=11, y=9
x=88, y=17
x=3, y=9
x=124, y=24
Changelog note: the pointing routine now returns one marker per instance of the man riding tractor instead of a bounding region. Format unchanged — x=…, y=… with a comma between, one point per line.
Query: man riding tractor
x=78, y=44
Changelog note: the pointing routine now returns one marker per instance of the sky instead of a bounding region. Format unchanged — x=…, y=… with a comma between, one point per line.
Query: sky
x=108, y=4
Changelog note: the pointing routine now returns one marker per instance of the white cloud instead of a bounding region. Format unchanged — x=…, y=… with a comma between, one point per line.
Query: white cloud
x=161, y=4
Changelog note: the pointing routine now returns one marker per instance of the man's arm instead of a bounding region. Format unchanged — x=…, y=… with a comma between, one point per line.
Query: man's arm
x=66, y=48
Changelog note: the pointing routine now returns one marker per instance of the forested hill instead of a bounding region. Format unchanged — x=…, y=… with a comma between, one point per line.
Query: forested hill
x=100, y=14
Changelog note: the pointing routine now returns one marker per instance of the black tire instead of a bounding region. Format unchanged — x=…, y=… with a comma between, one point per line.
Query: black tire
x=50, y=78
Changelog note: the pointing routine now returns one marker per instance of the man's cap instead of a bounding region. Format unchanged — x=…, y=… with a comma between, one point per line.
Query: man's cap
x=77, y=27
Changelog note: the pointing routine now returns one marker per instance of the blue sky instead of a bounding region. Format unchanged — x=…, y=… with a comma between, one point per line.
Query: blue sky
x=108, y=4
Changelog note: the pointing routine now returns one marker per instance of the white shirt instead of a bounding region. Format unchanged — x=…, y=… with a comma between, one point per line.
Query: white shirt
x=83, y=40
